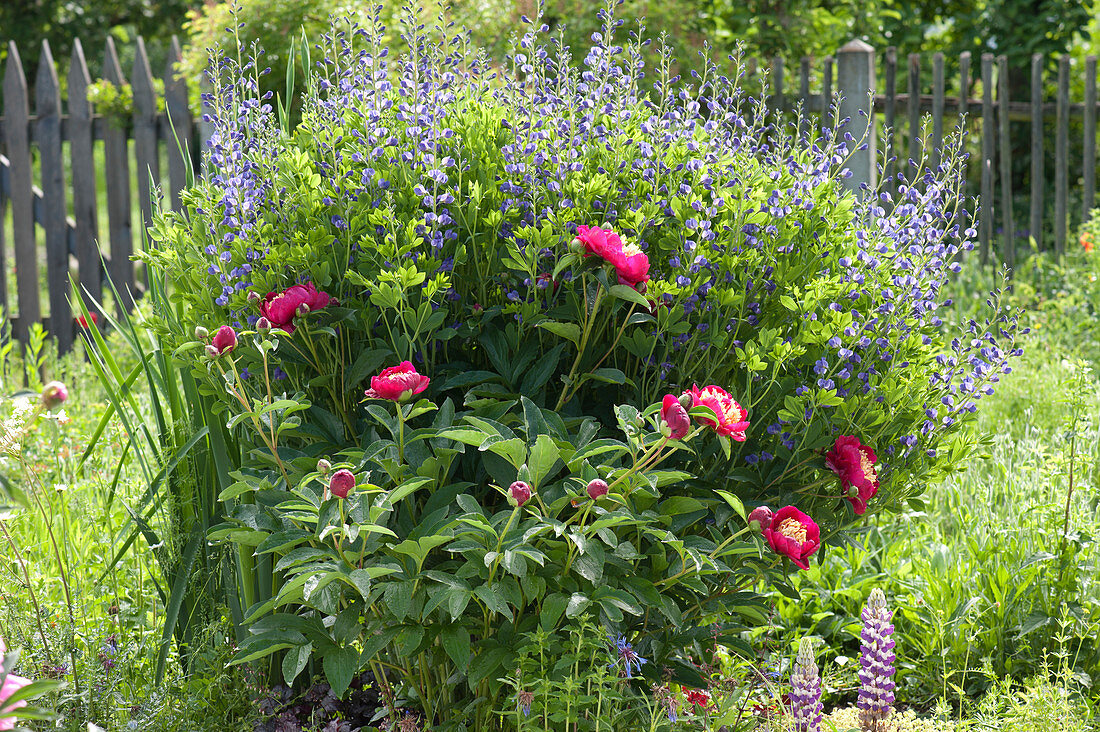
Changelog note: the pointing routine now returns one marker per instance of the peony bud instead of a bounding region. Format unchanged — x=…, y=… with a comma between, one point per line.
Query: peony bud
x=212, y=352
x=53, y=395
x=253, y=296
x=577, y=247
x=521, y=492
x=341, y=483
x=225, y=340
x=323, y=466
x=641, y=287
x=687, y=401
x=263, y=324
x=302, y=310
x=201, y=334
x=597, y=489
x=760, y=517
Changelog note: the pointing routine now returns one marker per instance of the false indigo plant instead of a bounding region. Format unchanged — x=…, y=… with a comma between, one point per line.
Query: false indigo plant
x=436, y=203
x=876, y=664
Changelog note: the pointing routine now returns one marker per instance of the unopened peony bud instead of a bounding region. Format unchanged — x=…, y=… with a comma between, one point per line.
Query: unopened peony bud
x=302, y=310
x=687, y=401
x=577, y=247
x=225, y=340
x=212, y=352
x=263, y=324
x=341, y=483
x=760, y=517
x=323, y=466
x=641, y=287
x=201, y=334
x=53, y=395
x=254, y=296
x=597, y=489
x=521, y=492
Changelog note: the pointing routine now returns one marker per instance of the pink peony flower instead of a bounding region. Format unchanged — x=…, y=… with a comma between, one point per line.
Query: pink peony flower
x=397, y=383
x=280, y=308
x=341, y=483
x=675, y=422
x=630, y=262
x=12, y=684
x=793, y=534
x=731, y=415
x=225, y=340
x=597, y=489
x=855, y=464
x=760, y=517
x=520, y=492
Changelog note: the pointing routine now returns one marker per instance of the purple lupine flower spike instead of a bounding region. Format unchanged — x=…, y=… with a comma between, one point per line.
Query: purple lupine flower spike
x=806, y=690
x=876, y=665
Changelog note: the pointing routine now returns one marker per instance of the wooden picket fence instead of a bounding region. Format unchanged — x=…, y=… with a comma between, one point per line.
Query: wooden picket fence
x=71, y=244
x=903, y=129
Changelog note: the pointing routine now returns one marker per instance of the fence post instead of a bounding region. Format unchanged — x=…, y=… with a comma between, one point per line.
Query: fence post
x=855, y=65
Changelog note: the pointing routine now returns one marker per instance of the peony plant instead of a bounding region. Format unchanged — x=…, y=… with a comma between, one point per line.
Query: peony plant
x=625, y=320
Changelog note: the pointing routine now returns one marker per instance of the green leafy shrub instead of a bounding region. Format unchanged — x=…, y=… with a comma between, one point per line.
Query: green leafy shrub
x=557, y=458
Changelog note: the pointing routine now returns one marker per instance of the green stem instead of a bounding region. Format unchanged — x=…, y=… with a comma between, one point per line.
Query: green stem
x=589, y=322
x=500, y=543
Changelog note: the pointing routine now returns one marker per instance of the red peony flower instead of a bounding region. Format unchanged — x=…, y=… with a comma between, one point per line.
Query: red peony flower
x=793, y=534
x=397, y=383
x=11, y=685
x=225, y=340
x=630, y=262
x=341, y=483
x=855, y=464
x=675, y=422
x=280, y=308
x=83, y=322
x=731, y=415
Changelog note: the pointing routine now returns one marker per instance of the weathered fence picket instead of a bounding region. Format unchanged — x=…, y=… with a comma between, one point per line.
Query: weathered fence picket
x=39, y=183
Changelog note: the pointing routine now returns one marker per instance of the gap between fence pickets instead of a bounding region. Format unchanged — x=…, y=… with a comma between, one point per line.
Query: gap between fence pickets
x=45, y=207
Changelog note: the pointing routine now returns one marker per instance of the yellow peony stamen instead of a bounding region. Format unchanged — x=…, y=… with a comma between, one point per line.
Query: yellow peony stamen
x=867, y=467
x=793, y=529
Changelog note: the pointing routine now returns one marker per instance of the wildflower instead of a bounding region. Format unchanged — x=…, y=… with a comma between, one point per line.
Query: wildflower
x=409, y=723
x=597, y=488
x=341, y=483
x=1086, y=242
x=793, y=534
x=806, y=690
x=9, y=685
x=626, y=655
x=53, y=395
x=225, y=340
x=876, y=664
x=280, y=308
x=630, y=262
x=760, y=517
x=525, y=698
x=520, y=492
x=397, y=383
x=698, y=697
x=675, y=422
x=731, y=415
x=854, y=462
x=83, y=322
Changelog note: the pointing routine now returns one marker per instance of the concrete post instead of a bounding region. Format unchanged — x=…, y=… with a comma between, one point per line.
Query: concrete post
x=855, y=65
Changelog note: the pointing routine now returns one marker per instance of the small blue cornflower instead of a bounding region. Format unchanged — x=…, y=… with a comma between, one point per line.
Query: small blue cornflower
x=631, y=661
